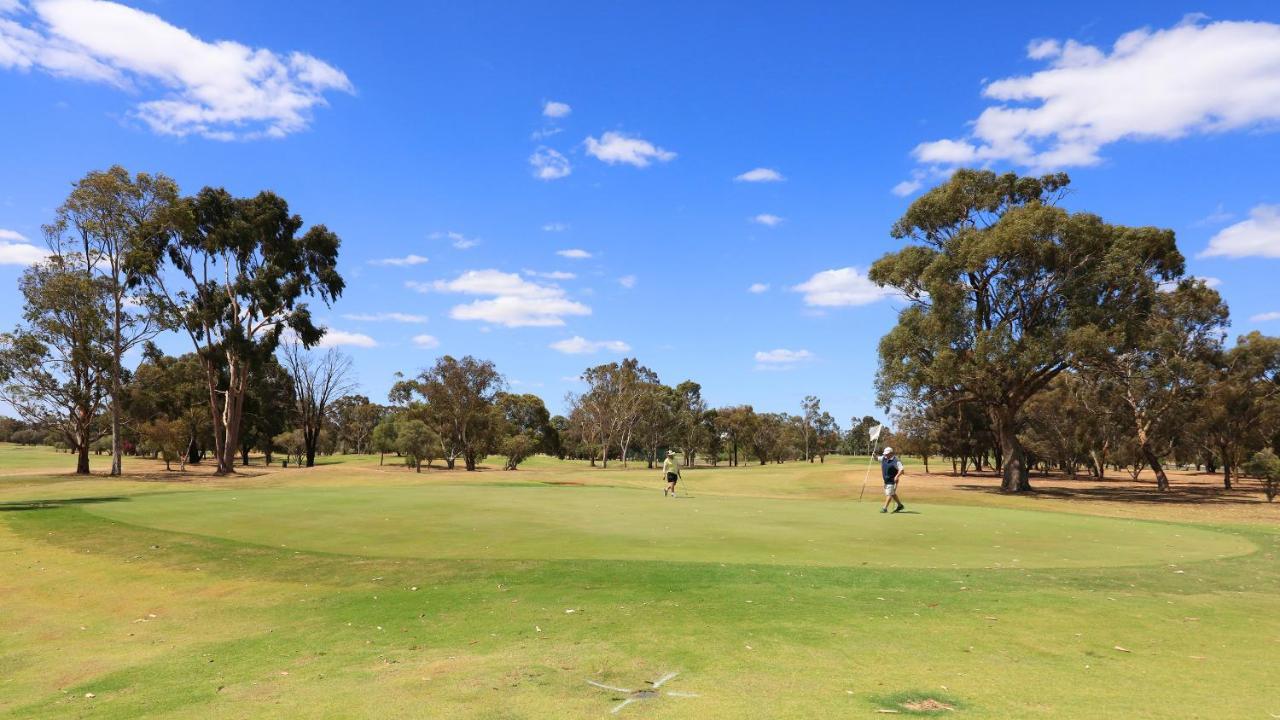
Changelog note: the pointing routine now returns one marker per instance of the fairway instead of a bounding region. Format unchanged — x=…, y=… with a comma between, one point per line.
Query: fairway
x=538, y=522
x=359, y=591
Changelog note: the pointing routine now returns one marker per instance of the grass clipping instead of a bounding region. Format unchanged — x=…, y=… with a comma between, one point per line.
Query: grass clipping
x=916, y=703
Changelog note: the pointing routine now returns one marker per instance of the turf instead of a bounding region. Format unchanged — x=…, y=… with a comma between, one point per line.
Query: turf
x=355, y=591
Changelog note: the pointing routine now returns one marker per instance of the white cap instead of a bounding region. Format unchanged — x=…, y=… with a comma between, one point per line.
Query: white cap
x=887, y=451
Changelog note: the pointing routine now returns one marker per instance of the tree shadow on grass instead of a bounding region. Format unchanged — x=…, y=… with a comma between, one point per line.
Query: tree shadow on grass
x=1128, y=493
x=23, y=505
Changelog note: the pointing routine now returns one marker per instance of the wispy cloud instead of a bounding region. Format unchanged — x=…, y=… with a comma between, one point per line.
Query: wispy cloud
x=549, y=164
x=15, y=249
x=1265, y=317
x=338, y=338
x=574, y=254
x=555, y=227
x=219, y=90
x=760, y=174
x=840, y=287
x=553, y=275
x=426, y=342
x=615, y=147
x=758, y=288
x=767, y=220
x=1259, y=236
x=385, y=317
x=457, y=239
x=553, y=109
x=577, y=345
x=512, y=301
x=1193, y=78
x=405, y=261
x=781, y=359
x=627, y=281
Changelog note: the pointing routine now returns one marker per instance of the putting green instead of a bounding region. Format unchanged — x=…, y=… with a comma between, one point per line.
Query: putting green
x=531, y=522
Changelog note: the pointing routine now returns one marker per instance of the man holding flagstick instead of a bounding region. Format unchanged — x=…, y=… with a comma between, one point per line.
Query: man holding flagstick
x=891, y=469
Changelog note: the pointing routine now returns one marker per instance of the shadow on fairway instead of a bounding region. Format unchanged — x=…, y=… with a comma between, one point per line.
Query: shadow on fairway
x=1134, y=494
x=20, y=506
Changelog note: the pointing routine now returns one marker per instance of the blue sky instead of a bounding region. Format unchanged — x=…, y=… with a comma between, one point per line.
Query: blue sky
x=490, y=139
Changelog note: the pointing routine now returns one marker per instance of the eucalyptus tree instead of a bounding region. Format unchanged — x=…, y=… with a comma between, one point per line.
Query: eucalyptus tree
x=233, y=278
x=692, y=429
x=1240, y=411
x=1005, y=290
x=55, y=370
x=1164, y=366
x=737, y=422
x=458, y=399
x=108, y=222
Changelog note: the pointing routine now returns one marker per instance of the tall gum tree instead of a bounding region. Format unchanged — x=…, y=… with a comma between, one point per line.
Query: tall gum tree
x=109, y=220
x=234, y=278
x=1005, y=289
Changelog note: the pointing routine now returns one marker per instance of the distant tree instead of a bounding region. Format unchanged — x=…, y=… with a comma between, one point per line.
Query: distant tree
x=525, y=427
x=318, y=379
x=738, y=423
x=167, y=439
x=858, y=439
x=268, y=408
x=55, y=371
x=690, y=409
x=459, y=399
x=173, y=389
x=1240, y=410
x=1005, y=291
x=810, y=409
x=292, y=444
x=384, y=436
x=233, y=279
x=416, y=442
x=1265, y=466
x=826, y=436
x=107, y=222
x=354, y=419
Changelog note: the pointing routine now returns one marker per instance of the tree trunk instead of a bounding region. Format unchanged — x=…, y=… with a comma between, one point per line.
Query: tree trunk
x=1162, y=480
x=244, y=456
x=1016, y=477
x=82, y=459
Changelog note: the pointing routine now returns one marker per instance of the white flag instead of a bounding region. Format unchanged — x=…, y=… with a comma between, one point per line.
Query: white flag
x=875, y=432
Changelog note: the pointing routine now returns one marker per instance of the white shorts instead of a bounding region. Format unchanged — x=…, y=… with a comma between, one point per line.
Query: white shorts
x=890, y=488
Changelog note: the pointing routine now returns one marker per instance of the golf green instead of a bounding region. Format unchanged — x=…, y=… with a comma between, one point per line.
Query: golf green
x=528, y=522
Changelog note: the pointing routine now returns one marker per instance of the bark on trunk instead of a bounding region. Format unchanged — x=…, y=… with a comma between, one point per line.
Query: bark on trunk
x=1015, y=475
x=1162, y=480
x=82, y=459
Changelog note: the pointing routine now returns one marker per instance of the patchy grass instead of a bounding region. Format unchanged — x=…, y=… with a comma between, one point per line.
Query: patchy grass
x=350, y=590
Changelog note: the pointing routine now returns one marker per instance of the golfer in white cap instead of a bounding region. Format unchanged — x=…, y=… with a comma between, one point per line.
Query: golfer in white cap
x=891, y=468
x=671, y=473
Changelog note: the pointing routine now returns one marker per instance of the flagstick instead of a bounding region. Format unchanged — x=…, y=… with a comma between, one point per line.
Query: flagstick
x=870, y=460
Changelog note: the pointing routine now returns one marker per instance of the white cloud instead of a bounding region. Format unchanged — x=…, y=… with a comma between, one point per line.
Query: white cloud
x=553, y=275
x=1259, y=236
x=457, y=239
x=615, y=147
x=555, y=227
x=336, y=338
x=219, y=90
x=385, y=317
x=767, y=219
x=1171, y=285
x=840, y=287
x=553, y=109
x=781, y=359
x=760, y=174
x=405, y=261
x=1193, y=78
x=758, y=288
x=426, y=342
x=549, y=164
x=627, y=281
x=16, y=250
x=1265, y=317
x=513, y=301
x=574, y=254
x=577, y=345
x=906, y=187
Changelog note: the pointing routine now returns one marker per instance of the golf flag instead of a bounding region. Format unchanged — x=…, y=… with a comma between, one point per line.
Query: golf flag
x=875, y=432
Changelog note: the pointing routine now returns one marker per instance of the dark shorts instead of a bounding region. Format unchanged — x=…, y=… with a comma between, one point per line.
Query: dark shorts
x=672, y=477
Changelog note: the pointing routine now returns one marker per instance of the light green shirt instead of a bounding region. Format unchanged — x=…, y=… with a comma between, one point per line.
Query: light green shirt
x=670, y=466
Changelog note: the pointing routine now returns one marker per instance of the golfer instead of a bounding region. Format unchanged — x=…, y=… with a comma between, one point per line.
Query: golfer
x=671, y=473
x=891, y=468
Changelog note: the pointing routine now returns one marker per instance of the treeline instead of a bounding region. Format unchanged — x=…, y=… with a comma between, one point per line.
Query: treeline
x=1035, y=336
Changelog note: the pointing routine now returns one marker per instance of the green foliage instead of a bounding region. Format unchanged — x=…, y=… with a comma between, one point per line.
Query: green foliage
x=416, y=442
x=1006, y=291
x=1266, y=467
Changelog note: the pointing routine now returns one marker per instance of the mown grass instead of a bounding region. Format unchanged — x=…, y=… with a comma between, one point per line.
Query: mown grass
x=352, y=591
